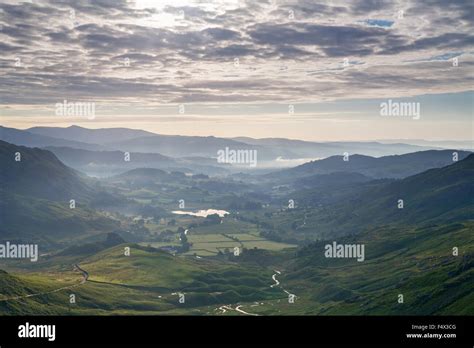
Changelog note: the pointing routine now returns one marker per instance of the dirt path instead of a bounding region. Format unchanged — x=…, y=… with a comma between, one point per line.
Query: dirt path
x=85, y=276
x=275, y=280
x=226, y=308
x=277, y=283
x=244, y=312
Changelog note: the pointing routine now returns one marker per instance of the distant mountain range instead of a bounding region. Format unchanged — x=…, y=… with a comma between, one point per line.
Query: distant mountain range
x=196, y=153
x=447, y=144
x=23, y=137
x=91, y=136
x=308, y=149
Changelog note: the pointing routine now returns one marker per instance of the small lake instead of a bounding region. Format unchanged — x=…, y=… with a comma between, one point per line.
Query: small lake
x=202, y=213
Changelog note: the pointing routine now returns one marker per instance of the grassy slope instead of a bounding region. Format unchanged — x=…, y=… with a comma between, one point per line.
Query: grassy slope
x=34, y=200
x=144, y=282
x=40, y=174
x=439, y=195
x=49, y=223
x=415, y=262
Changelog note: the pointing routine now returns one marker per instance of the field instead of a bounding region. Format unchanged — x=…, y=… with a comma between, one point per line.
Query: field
x=229, y=225
x=212, y=244
x=212, y=239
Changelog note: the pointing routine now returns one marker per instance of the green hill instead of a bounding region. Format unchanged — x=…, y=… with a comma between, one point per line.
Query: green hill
x=147, y=281
x=415, y=262
x=40, y=174
x=437, y=195
x=35, y=200
x=149, y=267
x=50, y=224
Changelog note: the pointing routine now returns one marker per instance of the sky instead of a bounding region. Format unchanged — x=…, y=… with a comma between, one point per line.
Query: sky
x=312, y=70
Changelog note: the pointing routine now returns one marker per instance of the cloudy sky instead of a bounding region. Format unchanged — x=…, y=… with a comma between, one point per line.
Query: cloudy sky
x=316, y=70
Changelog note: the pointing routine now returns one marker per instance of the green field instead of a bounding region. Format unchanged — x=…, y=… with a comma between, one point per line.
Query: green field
x=211, y=244
x=229, y=225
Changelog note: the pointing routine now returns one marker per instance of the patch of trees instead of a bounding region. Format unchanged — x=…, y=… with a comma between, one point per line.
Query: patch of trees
x=213, y=219
x=185, y=244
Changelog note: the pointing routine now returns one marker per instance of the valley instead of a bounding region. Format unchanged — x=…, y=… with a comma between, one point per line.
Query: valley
x=160, y=241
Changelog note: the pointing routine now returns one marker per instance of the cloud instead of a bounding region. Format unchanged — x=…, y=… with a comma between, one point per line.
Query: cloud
x=127, y=53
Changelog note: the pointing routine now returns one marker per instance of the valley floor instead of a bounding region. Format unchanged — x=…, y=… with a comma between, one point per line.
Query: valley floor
x=414, y=263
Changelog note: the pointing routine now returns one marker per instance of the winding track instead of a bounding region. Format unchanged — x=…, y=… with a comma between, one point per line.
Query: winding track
x=277, y=283
x=226, y=308
x=244, y=312
x=275, y=280
x=85, y=276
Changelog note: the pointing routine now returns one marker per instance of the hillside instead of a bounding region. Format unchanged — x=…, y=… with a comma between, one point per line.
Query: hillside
x=396, y=166
x=50, y=224
x=147, y=281
x=106, y=163
x=35, y=200
x=441, y=194
x=39, y=174
x=415, y=262
x=437, y=195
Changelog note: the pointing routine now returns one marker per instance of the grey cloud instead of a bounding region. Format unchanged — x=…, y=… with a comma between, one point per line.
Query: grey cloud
x=232, y=51
x=335, y=41
x=220, y=34
x=18, y=31
x=311, y=8
x=192, y=61
x=445, y=41
x=9, y=48
x=368, y=6
x=59, y=36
